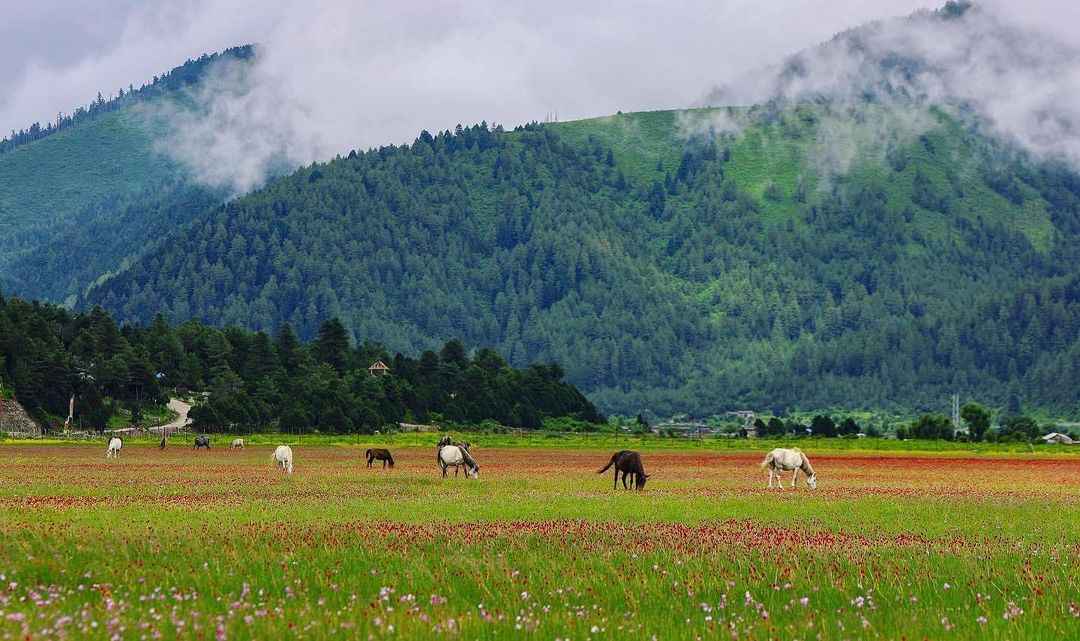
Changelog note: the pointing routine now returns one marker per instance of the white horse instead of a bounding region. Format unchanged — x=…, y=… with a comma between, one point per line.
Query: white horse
x=237, y=444
x=783, y=460
x=455, y=457
x=283, y=457
x=113, y=450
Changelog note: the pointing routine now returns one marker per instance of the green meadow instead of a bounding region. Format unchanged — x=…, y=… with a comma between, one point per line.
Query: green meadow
x=195, y=545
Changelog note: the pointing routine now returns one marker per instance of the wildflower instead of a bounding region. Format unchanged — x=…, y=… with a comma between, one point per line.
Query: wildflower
x=1012, y=611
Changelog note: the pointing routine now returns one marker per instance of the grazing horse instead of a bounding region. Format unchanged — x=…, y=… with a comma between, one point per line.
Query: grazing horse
x=784, y=460
x=237, y=444
x=202, y=440
x=283, y=457
x=113, y=450
x=629, y=463
x=456, y=456
x=379, y=454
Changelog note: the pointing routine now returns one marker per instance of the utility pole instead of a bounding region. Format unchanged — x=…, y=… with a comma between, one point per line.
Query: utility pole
x=956, y=411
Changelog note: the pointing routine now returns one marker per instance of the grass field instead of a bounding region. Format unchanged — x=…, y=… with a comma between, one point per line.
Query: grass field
x=217, y=545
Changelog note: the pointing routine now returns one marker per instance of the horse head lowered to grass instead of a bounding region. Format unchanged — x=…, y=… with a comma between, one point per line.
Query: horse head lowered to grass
x=456, y=455
x=785, y=460
x=629, y=464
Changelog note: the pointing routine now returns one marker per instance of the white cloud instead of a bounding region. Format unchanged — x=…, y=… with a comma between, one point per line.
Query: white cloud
x=1019, y=74
x=340, y=74
x=335, y=75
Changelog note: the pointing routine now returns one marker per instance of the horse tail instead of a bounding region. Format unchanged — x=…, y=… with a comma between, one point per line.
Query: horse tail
x=768, y=460
x=609, y=464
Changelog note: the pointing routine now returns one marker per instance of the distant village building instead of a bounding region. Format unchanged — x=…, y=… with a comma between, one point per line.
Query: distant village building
x=414, y=427
x=378, y=368
x=1056, y=437
x=749, y=429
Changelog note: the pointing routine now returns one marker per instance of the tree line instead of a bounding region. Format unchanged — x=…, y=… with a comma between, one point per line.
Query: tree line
x=185, y=75
x=976, y=426
x=254, y=381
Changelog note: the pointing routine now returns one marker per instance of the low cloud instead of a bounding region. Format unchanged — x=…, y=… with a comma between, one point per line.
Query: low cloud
x=1019, y=77
x=335, y=75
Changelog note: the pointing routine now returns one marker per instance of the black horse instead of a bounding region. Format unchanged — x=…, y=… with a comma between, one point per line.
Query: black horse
x=380, y=454
x=202, y=441
x=629, y=463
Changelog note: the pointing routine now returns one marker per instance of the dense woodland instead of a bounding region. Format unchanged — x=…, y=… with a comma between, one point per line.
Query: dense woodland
x=186, y=75
x=670, y=295
x=254, y=381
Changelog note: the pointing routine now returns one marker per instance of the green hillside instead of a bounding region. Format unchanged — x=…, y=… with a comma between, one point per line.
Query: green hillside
x=675, y=261
x=78, y=200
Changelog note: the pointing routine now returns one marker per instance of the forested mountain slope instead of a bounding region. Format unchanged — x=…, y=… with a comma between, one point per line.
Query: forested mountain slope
x=677, y=261
x=79, y=197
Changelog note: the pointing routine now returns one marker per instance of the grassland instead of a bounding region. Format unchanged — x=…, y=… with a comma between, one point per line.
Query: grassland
x=177, y=544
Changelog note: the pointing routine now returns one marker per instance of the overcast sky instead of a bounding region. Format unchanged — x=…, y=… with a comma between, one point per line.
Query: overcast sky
x=335, y=75
x=577, y=57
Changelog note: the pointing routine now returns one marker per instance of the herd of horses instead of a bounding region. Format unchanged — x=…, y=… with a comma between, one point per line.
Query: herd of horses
x=450, y=453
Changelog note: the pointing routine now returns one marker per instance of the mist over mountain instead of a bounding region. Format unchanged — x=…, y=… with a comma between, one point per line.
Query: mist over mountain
x=83, y=195
x=1017, y=81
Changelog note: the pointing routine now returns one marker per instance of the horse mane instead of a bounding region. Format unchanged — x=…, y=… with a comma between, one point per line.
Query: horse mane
x=806, y=467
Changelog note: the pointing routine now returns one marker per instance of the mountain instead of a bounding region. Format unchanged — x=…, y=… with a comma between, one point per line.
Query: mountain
x=859, y=238
x=695, y=260
x=81, y=196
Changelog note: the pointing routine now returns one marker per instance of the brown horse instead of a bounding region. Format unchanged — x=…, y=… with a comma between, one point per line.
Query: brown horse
x=629, y=463
x=379, y=454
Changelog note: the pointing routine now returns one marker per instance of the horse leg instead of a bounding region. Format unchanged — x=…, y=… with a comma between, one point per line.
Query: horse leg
x=615, y=485
x=794, y=477
x=770, y=478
